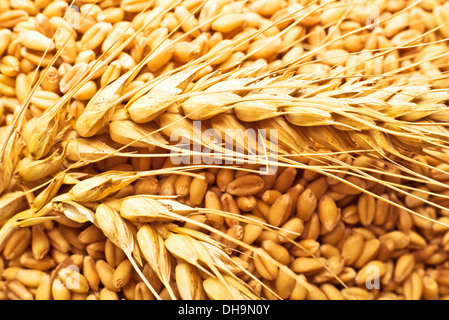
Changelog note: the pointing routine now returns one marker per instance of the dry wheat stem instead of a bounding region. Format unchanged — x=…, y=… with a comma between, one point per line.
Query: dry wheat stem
x=383, y=148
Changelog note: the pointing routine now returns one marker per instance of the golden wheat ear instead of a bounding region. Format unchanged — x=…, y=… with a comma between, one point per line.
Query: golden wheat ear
x=220, y=149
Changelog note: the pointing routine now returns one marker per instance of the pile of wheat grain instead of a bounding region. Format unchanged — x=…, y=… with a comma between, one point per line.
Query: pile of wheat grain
x=116, y=184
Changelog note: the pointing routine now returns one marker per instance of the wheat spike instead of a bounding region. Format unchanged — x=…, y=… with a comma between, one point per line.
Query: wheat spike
x=125, y=118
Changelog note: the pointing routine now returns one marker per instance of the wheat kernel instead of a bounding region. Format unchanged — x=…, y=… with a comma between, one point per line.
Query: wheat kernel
x=224, y=177
x=35, y=40
x=29, y=278
x=17, y=243
x=264, y=266
x=315, y=293
x=355, y=293
x=40, y=245
x=129, y=290
x=91, y=234
x=73, y=280
x=59, y=291
x=106, y=294
x=270, y=196
x=335, y=265
x=280, y=210
x=246, y=203
x=105, y=273
x=404, y=266
x=306, y=265
x=95, y=36
x=236, y=232
x=86, y=92
x=113, y=254
x=366, y=208
x=370, y=249
x=44, y=291
x=311, y=228
x=430, y=288
x=319, y=187
x=198, y=188
x=366, y=272
x=331, y=292
x=142, y=292
x=211, y=201
x=230, y=205
x=399, y=238
x=277, y=251
x=306, y=204
x=90, y=272
x=228, y=23
x=328, y=213
x=28, y=261
x=413, y=287
x=122, y=274
x=17, y=291
x=96, y=249
x=184, y=51
x=284, y=283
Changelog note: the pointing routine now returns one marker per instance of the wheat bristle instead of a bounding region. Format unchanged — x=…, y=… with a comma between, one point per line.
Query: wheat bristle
x=224, y=149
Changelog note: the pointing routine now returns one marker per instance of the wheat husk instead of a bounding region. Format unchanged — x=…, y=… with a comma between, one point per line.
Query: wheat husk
x=377, y=113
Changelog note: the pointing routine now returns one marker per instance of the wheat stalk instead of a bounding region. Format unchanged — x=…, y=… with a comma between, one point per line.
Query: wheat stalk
x=395, y=118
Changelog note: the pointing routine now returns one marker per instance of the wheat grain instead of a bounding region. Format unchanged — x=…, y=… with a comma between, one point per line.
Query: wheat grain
x=189, y=282
x=430, y=288
x=413, y=287
x=404, y=266
x=349, y=112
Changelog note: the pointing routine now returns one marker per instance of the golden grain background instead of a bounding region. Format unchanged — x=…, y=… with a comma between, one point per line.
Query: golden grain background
x=128, y=169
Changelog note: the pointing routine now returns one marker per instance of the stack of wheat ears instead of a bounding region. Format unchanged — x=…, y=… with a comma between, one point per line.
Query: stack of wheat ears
x=224, y=149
